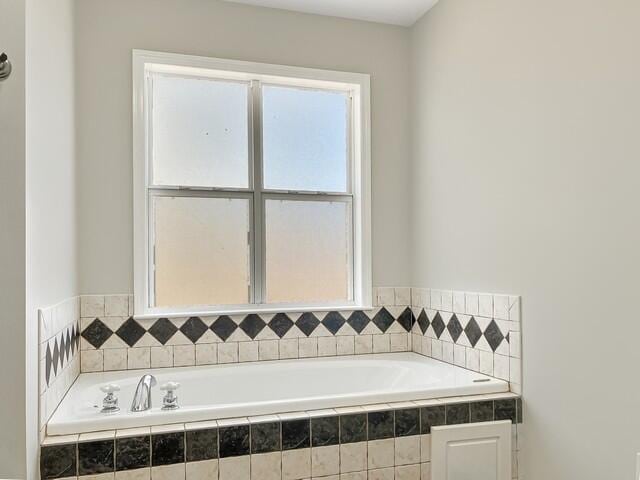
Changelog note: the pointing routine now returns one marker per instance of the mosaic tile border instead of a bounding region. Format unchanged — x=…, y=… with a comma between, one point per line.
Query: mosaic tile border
x=477, y=331
x=59, y=354
x=335, y=441
x=112, y=339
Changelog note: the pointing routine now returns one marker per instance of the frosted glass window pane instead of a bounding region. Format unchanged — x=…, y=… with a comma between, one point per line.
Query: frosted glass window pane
x=200, y=132
x=307, y=251
x=202, y=255
x=304, y=139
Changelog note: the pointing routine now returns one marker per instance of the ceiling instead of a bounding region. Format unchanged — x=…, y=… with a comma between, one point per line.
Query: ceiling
x=396, y=12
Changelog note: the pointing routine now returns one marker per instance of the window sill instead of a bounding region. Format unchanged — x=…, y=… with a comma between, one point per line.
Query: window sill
x=246, y=311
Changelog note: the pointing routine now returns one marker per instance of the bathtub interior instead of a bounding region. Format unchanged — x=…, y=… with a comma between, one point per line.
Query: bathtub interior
x=241, y=390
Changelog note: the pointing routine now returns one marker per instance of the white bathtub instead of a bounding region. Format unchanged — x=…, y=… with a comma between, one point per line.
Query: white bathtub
x=235, y=390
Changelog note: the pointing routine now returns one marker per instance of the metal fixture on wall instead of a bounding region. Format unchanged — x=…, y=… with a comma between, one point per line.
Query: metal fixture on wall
x=5, y=66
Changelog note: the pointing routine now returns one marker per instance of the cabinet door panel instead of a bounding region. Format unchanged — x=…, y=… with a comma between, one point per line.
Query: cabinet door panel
x=479, y=451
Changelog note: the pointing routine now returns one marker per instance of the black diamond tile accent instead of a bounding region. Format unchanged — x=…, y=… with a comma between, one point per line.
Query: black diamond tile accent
x=454, y=327
x=281, y=324
x=77, y=336
x=48, y=364
x=507, y=337
x=307, y=323
x=162, y=330
x=252, y=325
x=67, y=344
x=62, y=350
x=97, y=333
x=473, y=332
x=56, y=357
x=333, y=322
x=438, y=324
x=223, y=327
x=193, y=328
x=358, y=320
x=74, y=335
x=406, y=319
x=423, y=321
x=493, y=335
x=130, y=332
x=383, y=320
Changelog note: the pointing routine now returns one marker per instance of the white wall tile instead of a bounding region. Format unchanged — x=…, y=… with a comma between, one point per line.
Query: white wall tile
x=386, y=296
x=458, y=302
x=436, y=300
x=266, y=466
x=501, y=366
x=92, y=306
x=207, y=354
x=407, y=450
x=472, y=361
x=485, y=305
x=514, y=344
x=116, y=305
x=471, y=303
x=402, y=296
x=447, y=352
x=184, y=355
x=399, y=342
x=381, y=343
x=115, y=359
x=363, y=344
x=327, y=346
x=446, y=300
x=345, y=345
x=288, y=348
x=268, y=350
x=248, y=351
x=380, y=453
x=296, y=464
x=235, y=468
x=353, y=457
x=460, y=355
x=486, y=363
x=325, y=461
x=308, y=347
x=228, y=352
x=138, y=358
x=92, y=361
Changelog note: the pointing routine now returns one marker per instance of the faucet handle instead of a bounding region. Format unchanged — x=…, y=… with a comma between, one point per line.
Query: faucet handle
x=170, y=386
x=110, y=402
x=110, y=388
x=170, y=400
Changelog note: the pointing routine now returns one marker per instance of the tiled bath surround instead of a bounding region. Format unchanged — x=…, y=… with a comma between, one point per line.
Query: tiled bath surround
x=111, y=339
x=477, y=331
x=59, y=354
x=377, y=442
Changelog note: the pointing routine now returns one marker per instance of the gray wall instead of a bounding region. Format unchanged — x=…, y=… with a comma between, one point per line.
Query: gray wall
x=526, y=175
x=52, y=271
x=106, y=32
x=12, y=242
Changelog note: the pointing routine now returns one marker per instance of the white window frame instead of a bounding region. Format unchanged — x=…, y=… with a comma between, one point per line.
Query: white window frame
x=358, y=85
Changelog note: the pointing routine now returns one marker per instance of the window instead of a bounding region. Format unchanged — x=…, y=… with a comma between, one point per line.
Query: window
x=251, y=187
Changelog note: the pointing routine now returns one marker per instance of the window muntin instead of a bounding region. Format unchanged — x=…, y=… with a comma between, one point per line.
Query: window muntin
x=353, y=185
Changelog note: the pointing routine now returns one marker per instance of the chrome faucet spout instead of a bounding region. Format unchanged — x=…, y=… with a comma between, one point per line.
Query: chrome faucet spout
x=142, y=397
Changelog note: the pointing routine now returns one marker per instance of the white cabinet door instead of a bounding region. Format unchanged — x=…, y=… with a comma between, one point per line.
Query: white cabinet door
x=476, y=451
